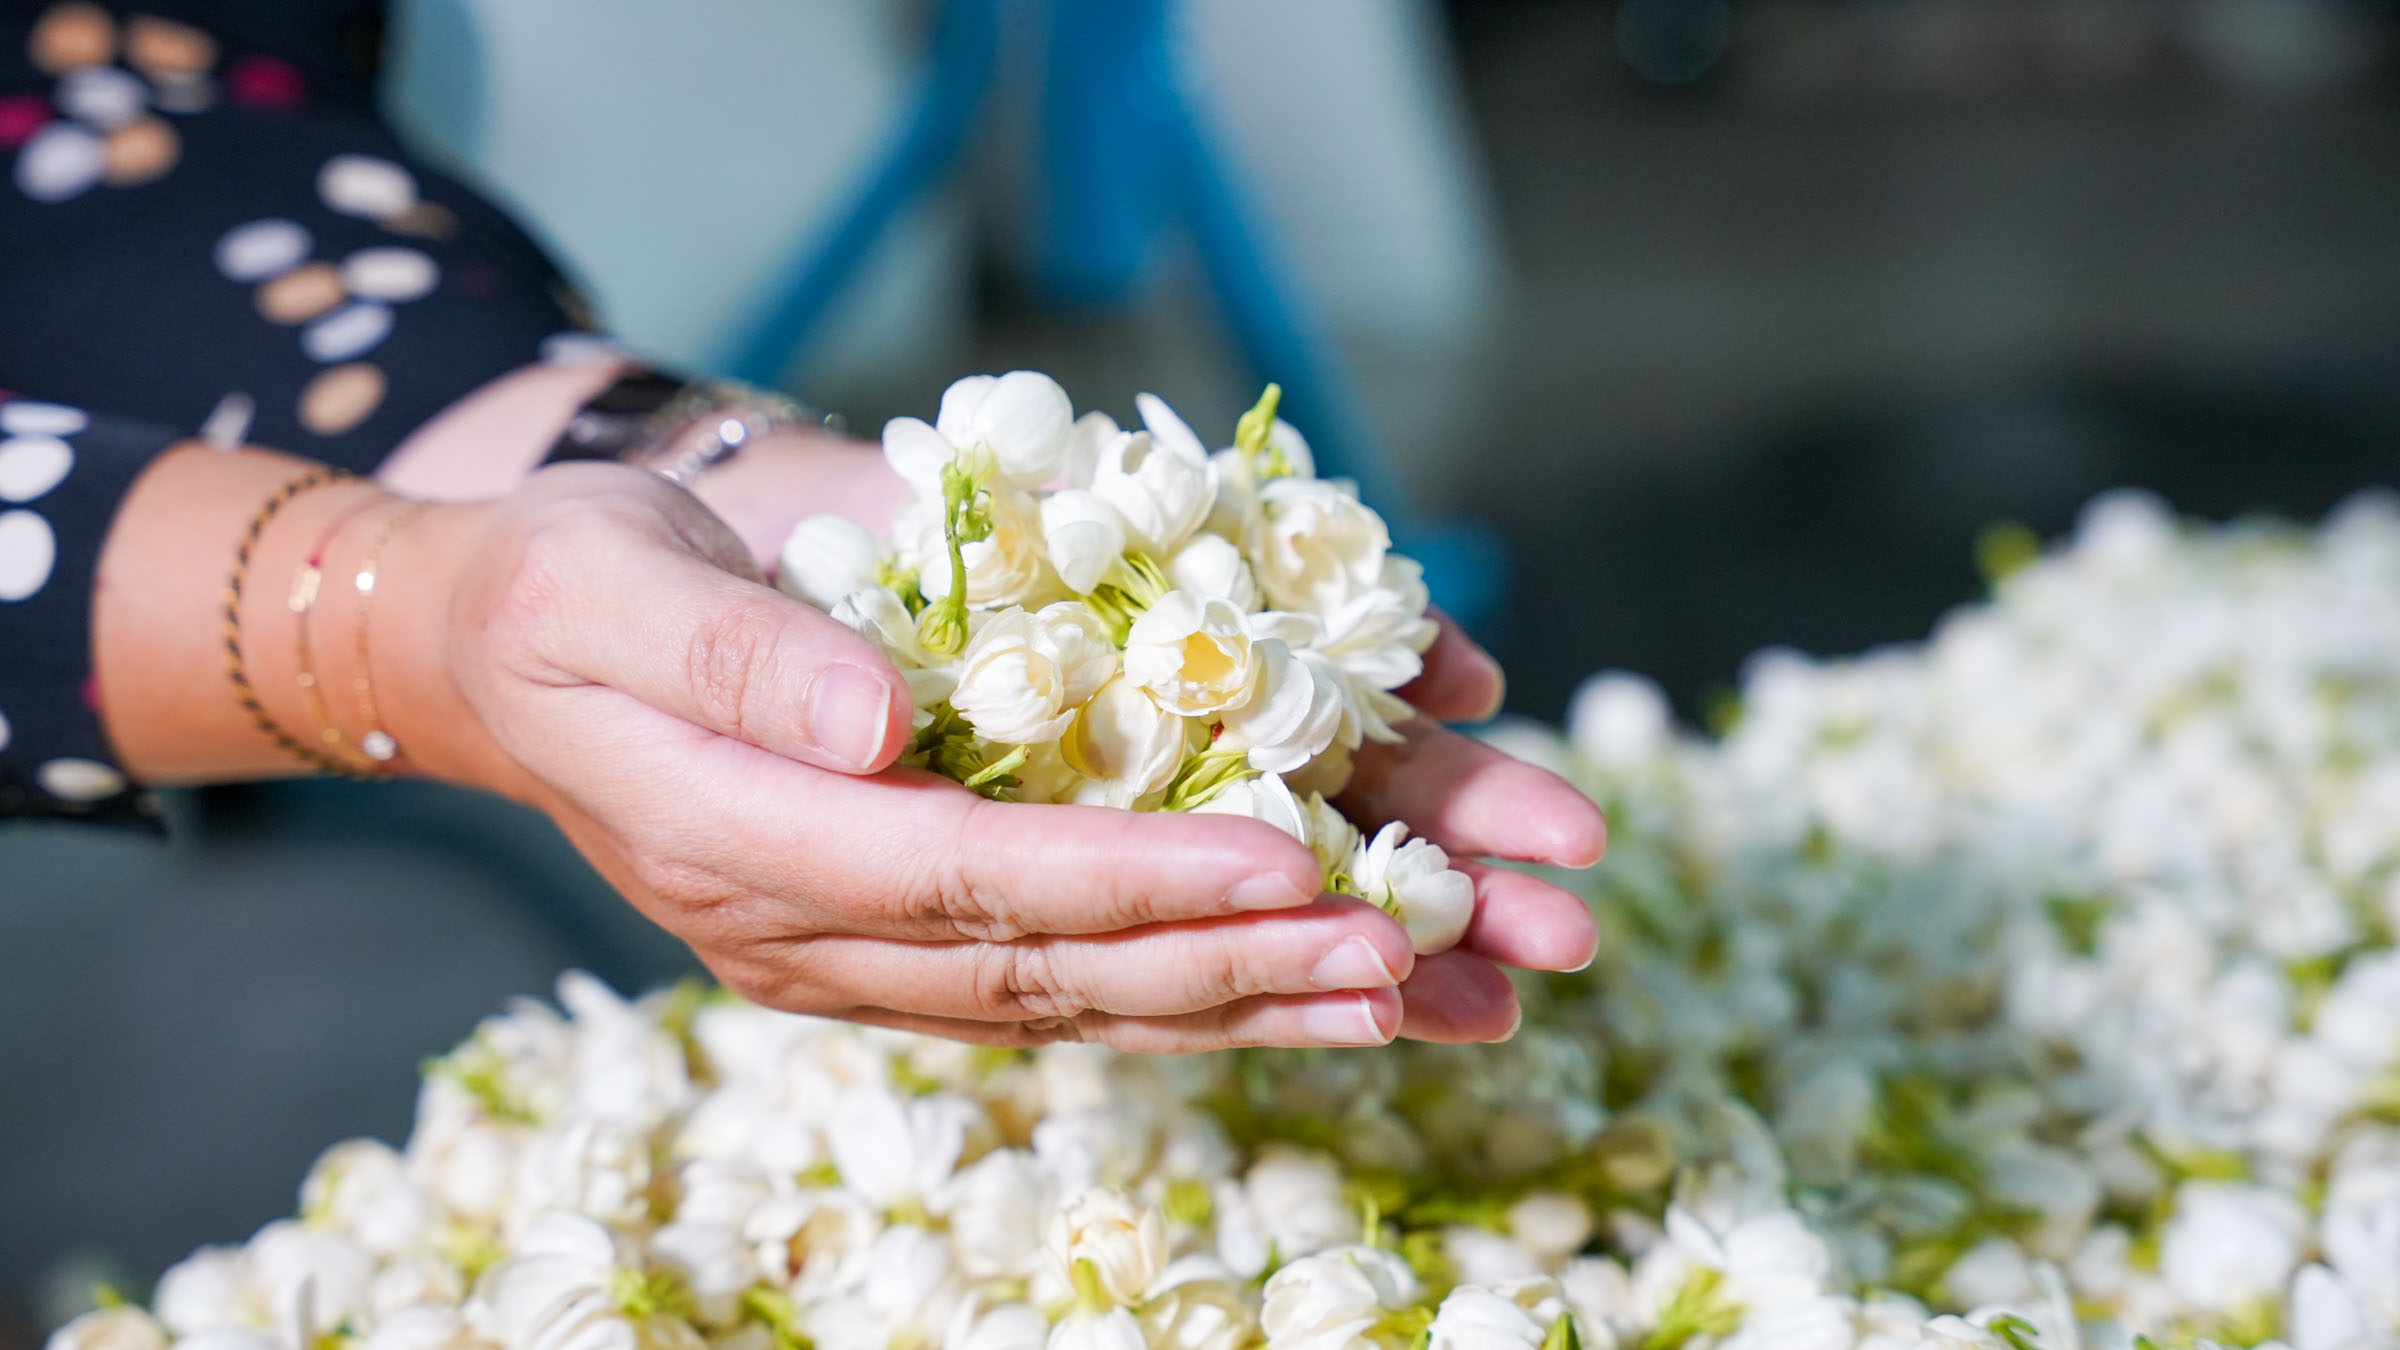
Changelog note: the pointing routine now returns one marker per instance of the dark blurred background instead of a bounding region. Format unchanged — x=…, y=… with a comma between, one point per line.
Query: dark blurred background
x=1737, y=321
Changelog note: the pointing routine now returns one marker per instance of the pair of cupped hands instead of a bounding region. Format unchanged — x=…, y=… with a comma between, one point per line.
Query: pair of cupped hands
x=724, y=754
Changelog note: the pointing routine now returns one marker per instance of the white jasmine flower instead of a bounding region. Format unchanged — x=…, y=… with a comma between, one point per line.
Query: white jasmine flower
x=1262, y=798
x=1023, y=676
x=1085, y=536
x=362, y=1189
x=2325, y=1315
x=1114, y=1329
x=1009, y=1326
x=1550, y=1226
x=901, y=1290
x=2229, y=1245
x=1021, y=420
x=423, y=1327
x=1011, y=566
x=996, y=1208
x=413, y=1279
x=567, y=1284
x=1212, y=565
x=1125, y=742
x=1207, y=1313
x=1291, y=716
x=119, y=1328
x=1330, y=1300
x=1330, y=835
x=826, y=558
x=310, y=1281
x=1619, y=721
x=1125, y=1243
x=1191, y=654
x=1168, y=428
x=464, y=1161
x=1411, y=880
x=590, y=1166
x=1161, y=494
x=893, y=1152
x=1479, y=1319
x=1314, y=546
x=1297, y=1203
x=1379, y=634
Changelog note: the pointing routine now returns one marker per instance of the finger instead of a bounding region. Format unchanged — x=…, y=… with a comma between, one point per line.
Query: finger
x=1458, y=998
x=1526, y=922
x=1371, y=1017
x=1461, y=681
x=1474, y=800
x=1336, y=944
x=904, y=854
x=613, y=590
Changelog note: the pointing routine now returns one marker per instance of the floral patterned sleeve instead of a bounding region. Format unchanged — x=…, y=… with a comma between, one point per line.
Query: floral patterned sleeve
x=204, y=231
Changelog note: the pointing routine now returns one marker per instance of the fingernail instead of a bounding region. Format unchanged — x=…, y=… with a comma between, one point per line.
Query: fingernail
x=1267, y=890
x=1516, y=1021
x=1341, y=1021
x=1353, y=964
x=1499, y=697
x=849, y=713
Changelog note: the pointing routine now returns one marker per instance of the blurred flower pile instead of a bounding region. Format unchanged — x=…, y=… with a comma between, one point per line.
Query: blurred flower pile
x=1123, y=618
x=2034, y=987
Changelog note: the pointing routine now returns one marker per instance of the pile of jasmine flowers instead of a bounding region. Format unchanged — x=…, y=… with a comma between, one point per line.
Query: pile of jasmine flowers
x=2032, y=988
x=1091, y=614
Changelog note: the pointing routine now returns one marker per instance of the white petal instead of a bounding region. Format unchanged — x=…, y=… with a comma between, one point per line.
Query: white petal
x=1169, y=429
x=1084, y=536
x=956, y=419
x=825, y=559
x=1024, y=420
x=918, y=453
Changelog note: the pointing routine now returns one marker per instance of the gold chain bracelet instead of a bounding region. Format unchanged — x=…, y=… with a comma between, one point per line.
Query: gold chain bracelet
x=236, y=668
x=377, y=743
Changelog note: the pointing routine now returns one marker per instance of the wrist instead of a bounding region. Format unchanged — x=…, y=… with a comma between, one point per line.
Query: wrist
x=769, y=488
x=415, y=656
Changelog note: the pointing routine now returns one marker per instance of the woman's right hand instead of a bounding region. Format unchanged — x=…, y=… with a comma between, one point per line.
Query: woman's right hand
x=599, y=645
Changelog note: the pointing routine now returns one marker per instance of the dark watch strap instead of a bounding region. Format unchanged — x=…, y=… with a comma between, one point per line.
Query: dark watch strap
x=620, y=419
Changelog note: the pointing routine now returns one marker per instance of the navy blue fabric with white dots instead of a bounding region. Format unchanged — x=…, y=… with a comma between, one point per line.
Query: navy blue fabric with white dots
x=205, y=230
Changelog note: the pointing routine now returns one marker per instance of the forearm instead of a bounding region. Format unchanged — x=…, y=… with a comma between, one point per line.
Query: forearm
x=160, y=649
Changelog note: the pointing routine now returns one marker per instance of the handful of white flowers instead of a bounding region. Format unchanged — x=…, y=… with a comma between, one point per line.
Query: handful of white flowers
x=1096, y=615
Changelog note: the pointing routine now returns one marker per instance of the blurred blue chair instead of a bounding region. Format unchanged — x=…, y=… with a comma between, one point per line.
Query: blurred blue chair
x=1123, y=154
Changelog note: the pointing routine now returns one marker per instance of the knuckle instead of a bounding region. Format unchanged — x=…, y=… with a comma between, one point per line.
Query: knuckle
x=546, y=548
x=1037, y=985
x=1224, y=971
x=963, y=900
x=682, y=883
x=1020, y=982
x=728, y=658
x=778, y=978
x=1056, y=1030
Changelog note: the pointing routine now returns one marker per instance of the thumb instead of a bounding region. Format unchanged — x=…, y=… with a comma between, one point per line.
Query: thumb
x=649, y=618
